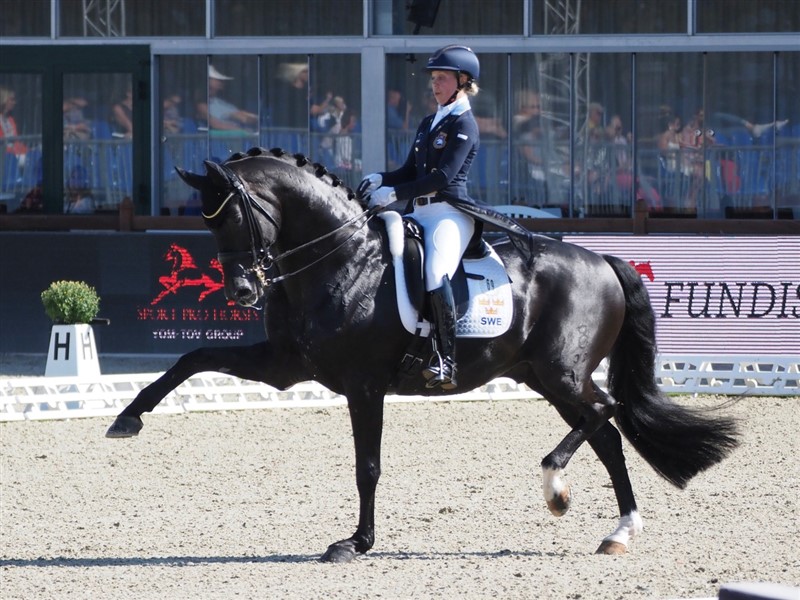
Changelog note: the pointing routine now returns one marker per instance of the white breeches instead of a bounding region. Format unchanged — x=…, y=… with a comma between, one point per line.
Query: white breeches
x=447, y=234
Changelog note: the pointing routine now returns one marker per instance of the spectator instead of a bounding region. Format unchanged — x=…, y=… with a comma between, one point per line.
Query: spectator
x=8, y=127
x=528, y=110
x=397, y=111
x=33, y=201
x=597, y=165
x=621, y=163
x=78, y=197
x=76, y=125
x=290, y=107
x=594, y=118
x=219, y=114
x=529, y=141
x=620, y=140
x=172, y=119
x=490, y=124
x=338, y=147
x=693, y=140
x=722, y=119
x=669, y=142
x=122, y=115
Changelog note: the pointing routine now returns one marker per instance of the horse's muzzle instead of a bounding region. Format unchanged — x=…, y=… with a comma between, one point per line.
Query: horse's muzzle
x=246, y=298
x=245, y=291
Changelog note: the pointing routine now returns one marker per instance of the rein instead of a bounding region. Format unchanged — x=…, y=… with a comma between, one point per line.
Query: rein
x=366, y=215
x=263, y=260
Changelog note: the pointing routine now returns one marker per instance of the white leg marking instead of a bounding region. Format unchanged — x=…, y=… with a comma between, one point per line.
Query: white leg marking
x=551, y=483
x=629, y=526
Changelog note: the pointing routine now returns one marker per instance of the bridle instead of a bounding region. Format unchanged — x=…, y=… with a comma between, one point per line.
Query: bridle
x=260, y=250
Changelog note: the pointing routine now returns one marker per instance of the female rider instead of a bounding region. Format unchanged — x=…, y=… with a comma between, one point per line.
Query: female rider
x=433, y=180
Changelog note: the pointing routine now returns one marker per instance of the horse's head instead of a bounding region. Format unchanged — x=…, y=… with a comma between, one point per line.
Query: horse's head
x=244, y=228
x=270, y=200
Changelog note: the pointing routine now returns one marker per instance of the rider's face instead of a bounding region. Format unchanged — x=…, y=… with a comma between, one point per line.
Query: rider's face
x=443, y=84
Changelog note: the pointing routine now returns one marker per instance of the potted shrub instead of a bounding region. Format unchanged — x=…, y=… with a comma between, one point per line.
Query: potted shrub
x=73, y=307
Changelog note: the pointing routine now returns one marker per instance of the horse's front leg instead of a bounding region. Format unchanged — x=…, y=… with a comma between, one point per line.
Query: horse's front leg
x=366, y=416
x=258, y=362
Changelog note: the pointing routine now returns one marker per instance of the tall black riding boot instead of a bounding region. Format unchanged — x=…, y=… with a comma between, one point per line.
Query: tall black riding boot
x=441, y=369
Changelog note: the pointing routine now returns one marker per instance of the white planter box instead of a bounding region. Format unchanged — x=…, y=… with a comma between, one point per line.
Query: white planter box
x=72, y=352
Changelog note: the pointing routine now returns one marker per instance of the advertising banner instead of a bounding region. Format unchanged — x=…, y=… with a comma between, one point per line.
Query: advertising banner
x=164, y=291
x=716, y=295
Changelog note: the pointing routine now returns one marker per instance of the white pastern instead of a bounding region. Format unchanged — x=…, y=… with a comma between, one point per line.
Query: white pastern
x=629, y=526
x=552, y=485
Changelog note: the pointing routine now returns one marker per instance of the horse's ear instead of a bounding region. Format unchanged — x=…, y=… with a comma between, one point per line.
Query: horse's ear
x=216, y=175
x=192, y=179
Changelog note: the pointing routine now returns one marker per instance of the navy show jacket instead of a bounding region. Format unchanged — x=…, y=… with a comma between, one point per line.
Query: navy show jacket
x=439, y=160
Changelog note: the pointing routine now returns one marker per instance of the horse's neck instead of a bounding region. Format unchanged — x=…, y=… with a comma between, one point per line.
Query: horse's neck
x=352, y=243
x=305, y=222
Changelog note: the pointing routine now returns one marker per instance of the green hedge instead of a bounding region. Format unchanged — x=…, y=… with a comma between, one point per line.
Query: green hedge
x=70, y=302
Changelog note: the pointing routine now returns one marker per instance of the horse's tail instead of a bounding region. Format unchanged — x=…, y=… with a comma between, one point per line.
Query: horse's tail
x=678, y=442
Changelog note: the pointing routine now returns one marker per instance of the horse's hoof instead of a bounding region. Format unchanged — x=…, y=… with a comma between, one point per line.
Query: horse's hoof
x=559, y=504
x=125, y=427
x=340, y=552
x=611, y=548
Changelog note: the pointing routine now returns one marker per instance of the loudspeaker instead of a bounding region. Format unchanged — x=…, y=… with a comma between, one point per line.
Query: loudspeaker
x=422, y=12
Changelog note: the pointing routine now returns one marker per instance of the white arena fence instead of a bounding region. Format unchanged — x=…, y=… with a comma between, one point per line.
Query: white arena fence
x=106, y=395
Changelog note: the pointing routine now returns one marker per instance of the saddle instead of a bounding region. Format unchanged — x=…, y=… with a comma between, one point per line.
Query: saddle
x=481, y=286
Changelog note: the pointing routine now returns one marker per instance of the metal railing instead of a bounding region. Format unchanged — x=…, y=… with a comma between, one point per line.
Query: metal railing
x=730, y=179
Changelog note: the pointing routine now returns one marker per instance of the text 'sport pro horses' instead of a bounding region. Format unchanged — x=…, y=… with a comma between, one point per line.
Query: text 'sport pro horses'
x=289, y=234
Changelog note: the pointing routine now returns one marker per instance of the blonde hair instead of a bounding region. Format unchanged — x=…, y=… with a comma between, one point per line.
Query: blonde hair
x=5, y=94
x=471, y=88
x=290, y=71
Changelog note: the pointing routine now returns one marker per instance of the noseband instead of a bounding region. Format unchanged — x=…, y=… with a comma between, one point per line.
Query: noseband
x=259, y=249
x=262, y=258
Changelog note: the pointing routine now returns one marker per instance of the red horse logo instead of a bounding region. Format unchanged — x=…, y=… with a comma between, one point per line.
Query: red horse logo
x=643, y=269
x=185, y=273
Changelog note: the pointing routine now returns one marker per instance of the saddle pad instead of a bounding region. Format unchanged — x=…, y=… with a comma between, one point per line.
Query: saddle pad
x=491, y=306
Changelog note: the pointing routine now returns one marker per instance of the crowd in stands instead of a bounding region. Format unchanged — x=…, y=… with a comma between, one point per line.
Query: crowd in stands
x=716, y=161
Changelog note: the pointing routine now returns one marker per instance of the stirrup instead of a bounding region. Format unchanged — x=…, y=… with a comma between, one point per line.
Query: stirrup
x=440, y=372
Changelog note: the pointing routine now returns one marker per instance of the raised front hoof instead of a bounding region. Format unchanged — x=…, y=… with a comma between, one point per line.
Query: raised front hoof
x=559, y=504
x=125, y=427
x=611, y=548
x=340, y=552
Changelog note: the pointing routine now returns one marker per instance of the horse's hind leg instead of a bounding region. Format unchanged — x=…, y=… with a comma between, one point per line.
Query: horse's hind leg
x=590, y=416
x=607, y=445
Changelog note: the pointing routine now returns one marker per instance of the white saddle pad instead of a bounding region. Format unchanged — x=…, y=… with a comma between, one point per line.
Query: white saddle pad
x=491, y=306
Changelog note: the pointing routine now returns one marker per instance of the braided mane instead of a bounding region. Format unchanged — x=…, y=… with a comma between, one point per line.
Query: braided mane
x=298, y=160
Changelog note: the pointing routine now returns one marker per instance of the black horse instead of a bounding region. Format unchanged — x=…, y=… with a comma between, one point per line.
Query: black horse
x=288, y=233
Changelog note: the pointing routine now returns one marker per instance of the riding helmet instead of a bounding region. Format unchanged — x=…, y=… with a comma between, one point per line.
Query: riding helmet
x=455, y=58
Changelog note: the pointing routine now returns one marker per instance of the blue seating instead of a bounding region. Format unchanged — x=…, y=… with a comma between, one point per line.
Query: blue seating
x=741, y=137
x=189, y=125
x=101, y=130
x=723, y=139
x=754, y=171
x=10, y=172
x=293, y=141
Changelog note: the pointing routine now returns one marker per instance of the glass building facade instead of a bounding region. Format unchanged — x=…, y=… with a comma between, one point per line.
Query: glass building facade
x=586, y=106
